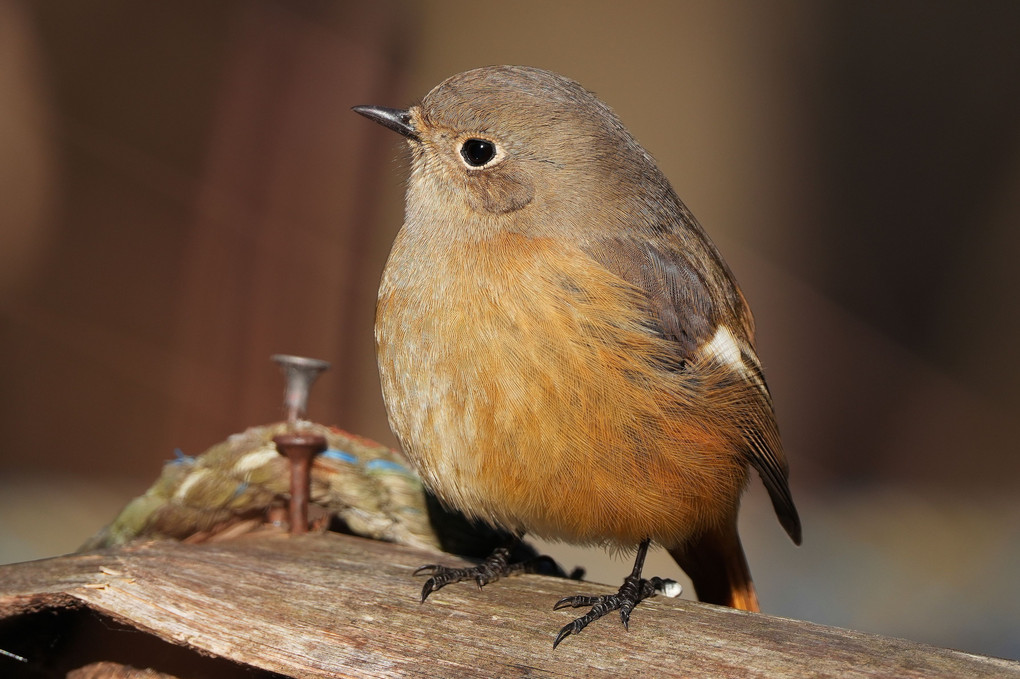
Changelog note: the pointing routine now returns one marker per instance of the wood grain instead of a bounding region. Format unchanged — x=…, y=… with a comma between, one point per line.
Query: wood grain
x=339, y=606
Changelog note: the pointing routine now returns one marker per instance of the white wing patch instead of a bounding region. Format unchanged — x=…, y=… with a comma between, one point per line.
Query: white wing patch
x=724, y=348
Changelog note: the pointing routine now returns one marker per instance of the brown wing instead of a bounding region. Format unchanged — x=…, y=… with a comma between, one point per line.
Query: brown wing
x=691, y=293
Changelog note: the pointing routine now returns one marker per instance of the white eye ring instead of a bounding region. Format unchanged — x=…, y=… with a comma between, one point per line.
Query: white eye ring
x=477, y=153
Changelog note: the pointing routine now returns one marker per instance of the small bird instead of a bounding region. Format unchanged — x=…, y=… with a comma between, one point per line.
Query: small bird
x=562, y=349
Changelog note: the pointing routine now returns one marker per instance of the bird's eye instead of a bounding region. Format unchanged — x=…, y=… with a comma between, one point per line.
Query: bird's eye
x=477, y=152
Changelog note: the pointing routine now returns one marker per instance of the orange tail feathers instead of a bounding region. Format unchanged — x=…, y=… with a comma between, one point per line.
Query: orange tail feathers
x=716, y=564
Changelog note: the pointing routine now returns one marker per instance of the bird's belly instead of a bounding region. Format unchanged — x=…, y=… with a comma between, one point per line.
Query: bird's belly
x=532, y=399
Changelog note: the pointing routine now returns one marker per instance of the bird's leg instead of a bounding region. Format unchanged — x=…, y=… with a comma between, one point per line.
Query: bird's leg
x=495, y=566
x=634, y=590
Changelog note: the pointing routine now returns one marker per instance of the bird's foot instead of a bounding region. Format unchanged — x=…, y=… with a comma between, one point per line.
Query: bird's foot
x=495, y=566
x=634, y=590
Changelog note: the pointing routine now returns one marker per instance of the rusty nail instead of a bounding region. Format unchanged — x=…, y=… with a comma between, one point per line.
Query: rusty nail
x=299, y=449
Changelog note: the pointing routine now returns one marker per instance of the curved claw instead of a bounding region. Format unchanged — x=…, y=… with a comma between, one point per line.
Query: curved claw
x=494, y=567
x=565, y=602
x=444, y=575
x=430, y=568
x=633, y=591
x=575, y=601
x=430, y=586
x=565, y=632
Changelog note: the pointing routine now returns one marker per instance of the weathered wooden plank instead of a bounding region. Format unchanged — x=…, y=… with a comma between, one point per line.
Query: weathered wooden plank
x=334, y=605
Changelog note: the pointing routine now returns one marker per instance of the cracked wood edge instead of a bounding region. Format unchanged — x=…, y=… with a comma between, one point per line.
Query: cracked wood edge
x=336, y=605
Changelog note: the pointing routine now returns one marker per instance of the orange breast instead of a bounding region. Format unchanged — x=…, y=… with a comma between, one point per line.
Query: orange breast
x=520, y=378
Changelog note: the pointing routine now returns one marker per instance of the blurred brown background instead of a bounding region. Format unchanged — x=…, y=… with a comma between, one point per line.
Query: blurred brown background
x=184, y=191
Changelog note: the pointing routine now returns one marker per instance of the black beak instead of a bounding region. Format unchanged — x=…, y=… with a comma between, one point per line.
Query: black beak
x=396, y=119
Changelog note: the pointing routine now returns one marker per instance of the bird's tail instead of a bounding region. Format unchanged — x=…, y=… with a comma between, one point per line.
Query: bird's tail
x=716, y=564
